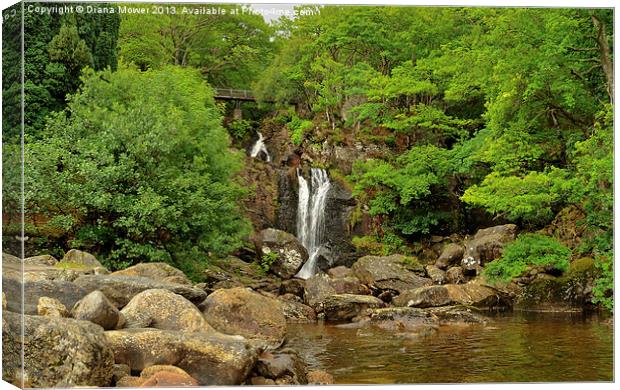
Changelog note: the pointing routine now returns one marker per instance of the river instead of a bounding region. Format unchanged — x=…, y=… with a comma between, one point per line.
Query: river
x=514, y=347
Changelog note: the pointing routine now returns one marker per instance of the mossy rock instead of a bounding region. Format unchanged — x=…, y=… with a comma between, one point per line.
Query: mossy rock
x=582, y=266
x=571, y=292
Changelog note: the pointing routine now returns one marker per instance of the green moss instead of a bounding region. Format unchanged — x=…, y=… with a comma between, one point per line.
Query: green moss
x=412, y=263
x=71, y=265
x=581, y=266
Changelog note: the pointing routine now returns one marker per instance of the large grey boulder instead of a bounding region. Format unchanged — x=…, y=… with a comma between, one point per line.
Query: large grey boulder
x=296, y=311
x=42, y=260
x=96, y=308
x=119, y=289
x=284, y=367
x=66, y=292
x=290, y=254
x=58, y=352
x=396, y=272
x=472, y=294
x=79, y=259
x=157, y=271
x=241, y=311
x=164, y=309
x=345, y=307
x=402, y=319
x=210, y=358
x=487, y=245
x=450, y=255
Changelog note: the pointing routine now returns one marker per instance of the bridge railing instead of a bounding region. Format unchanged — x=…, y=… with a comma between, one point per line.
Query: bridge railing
x=234, y=93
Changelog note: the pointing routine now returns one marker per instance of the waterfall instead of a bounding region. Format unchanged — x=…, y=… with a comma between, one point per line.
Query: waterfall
x=311, y=216
x=260, y=147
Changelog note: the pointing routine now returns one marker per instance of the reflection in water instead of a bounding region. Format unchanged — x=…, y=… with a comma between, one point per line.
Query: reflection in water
x=517, y=347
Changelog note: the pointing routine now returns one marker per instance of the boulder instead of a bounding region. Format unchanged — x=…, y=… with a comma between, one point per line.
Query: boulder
x=472, y=294
x=567, y=293
x=51, y=307
x=320, y=377
x=119, y=289
x=96, y=308
x=345, y=307
x=321, y=286
x=166, y=376
x=316, y=289
x=437, y=275
x=285, y=365
x=261, y=381
x=340, y=272
x=8, y=258
x=163, y=309
x=402, y=319
x=43, y=260
x=157, y=271
x=455, y=275
x=3, y=301
x=349, y=285
x=486, y=245
x=58, y=352
x=241, y=311
x=66, y=292
x=79, y=259
x=450, y=255
x=129, y=381
x=297, y=312
x=448, y=315
x=293, y=286
x=210, y=358
x=290, y=253
x=396, y=272
x=119, y=371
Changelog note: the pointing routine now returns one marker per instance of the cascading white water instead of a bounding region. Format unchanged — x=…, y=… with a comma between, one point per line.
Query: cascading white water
x=259, y=147
x=311, y=216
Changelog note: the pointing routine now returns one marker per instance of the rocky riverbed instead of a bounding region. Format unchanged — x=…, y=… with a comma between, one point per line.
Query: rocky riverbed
x=149, y=325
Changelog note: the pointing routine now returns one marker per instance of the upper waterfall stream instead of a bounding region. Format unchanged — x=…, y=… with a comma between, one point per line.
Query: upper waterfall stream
x=311, y=216
x=260, y=147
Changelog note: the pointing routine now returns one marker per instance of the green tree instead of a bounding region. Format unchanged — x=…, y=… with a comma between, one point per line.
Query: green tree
x=138, y=169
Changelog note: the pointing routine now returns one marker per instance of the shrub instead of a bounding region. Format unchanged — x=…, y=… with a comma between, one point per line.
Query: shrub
x=527, y=250
x=298, y=128
x=138, y=168
x=267, y=260
x=239, y=128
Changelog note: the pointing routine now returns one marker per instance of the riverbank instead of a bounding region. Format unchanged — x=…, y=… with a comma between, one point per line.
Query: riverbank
x=149, y=325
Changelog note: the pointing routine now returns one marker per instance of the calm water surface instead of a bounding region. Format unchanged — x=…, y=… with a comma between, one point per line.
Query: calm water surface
x=515, y=347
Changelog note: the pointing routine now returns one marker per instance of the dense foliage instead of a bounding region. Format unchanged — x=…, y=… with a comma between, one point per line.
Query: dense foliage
x=138, y=169
x=505, y=111
x=457, y=118
x=528, y=250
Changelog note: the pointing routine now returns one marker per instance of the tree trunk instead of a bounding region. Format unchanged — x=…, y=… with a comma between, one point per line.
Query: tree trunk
x=603, y=48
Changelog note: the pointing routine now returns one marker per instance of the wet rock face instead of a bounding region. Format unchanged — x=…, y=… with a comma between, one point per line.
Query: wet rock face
x=210, y=358
x=290, y=253
x=338, y=207
x=58, y=352
x=241, y=311
x=487, y=245
x=390, y=273
x=261, y=203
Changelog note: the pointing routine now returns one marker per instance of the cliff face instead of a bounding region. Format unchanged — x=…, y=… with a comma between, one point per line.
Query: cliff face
x=275, y=189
